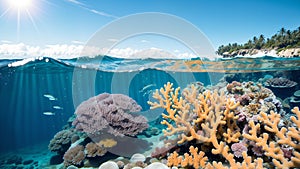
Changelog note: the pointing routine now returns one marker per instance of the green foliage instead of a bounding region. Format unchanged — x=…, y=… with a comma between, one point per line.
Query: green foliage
x=282, y=40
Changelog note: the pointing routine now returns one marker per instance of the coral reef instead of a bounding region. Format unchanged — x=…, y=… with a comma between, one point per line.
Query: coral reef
x=289, y=137
x=74, y=156
x=280, y=83
x=93, y=150
x=282, y=87
x=108, y=143
x=222, y=133
x=62, y=141
x=238, y=149
x=110, y=112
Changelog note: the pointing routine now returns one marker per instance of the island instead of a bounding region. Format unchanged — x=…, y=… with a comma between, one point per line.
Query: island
x=285, y=43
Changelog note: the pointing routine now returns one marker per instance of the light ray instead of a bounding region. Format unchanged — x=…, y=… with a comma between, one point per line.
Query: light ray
x=32, y=21
x=4, y=13
x=18, y=25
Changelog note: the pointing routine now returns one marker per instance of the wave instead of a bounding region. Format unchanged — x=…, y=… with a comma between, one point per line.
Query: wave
x=112, y=64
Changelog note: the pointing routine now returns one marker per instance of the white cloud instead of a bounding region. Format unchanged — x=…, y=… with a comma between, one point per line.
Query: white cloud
x=6, y=41
x=25, y=51
x=77, y=42
x=10, y=51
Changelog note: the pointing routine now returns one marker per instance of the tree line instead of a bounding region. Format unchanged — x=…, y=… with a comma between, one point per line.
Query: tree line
x=283, y=39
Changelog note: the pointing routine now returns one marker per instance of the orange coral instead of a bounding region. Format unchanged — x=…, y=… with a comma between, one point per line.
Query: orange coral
x=107, y=143
x=210, y=119
x=207, y=107
x=290, y=137
x=198, y=160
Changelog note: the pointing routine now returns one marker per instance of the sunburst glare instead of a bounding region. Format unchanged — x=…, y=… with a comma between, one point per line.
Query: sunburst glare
x=20, y=4
x=22, y=9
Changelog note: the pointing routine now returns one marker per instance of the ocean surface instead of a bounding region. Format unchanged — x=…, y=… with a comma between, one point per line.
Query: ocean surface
x=39, y=95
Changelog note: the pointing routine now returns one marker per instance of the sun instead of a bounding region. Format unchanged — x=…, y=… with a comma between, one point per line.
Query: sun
x=23, y=9
x=20, y=4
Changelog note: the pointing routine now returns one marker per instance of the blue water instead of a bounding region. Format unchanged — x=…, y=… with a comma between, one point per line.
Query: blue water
x=23, y=86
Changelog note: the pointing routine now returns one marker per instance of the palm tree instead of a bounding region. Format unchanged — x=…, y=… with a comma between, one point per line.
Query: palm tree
x=282, y=31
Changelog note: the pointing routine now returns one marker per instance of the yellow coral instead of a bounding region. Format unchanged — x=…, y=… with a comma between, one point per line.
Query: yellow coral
x=108, y=143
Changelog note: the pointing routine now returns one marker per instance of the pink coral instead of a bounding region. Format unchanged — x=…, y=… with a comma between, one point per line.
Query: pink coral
x=257, y=150
x=238, y=149
x=244, y=99
x=111, y=112
x=242, y=117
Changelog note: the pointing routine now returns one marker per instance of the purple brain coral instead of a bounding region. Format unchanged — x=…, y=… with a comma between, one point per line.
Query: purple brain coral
x=111, y=113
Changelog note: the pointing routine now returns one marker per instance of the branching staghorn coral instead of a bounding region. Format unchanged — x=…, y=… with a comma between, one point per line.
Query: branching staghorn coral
x=286, y=136
x=196, y=116
x=201, y=117
x=211, y=118
x=198, y=159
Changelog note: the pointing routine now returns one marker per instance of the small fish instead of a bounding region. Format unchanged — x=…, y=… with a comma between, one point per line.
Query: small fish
x=48, y=113
x=57, y=107
x=50, y=97
x=146, y=88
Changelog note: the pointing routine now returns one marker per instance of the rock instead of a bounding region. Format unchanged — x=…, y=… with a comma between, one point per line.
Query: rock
x=109, y=165
x=56, y=159
x=120, y=164
x=292, y=52
x=297, y=93
x=137, y=157
x=72, y=167
x=14, y=159
x=157, y=165
x=26, y=162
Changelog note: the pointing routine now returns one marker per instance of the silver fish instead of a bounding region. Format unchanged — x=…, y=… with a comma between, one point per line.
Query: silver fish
x=57, y=107
x=50, y=97
x=48, y=113
x=146, y=88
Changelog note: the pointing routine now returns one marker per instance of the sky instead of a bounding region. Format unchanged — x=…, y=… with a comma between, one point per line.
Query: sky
x=61, y=28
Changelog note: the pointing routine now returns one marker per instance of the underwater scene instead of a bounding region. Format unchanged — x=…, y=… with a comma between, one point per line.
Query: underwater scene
x=113, y=113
